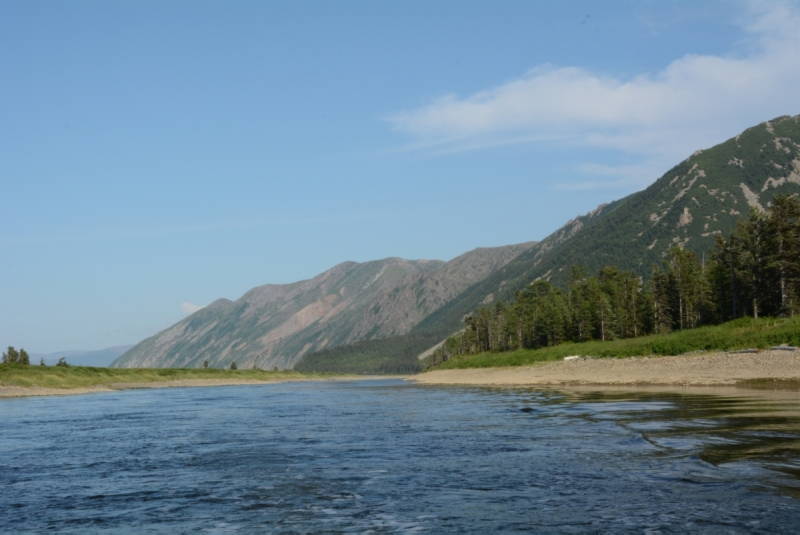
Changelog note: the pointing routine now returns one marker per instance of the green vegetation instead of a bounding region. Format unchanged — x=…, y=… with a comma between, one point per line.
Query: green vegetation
x=12, y=356
x=396, y=355
x=83, y=377
x=636, y=232
x=754, y=271
x=738, y=334
x=691, y=205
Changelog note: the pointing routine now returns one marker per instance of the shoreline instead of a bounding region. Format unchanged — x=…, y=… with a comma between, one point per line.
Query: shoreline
x=12, y=391
x=768, y=369
x=690, y=370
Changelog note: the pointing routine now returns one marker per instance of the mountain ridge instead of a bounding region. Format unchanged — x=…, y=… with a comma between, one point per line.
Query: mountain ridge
x=416, y=305
x=699, y=198
x=274, y=325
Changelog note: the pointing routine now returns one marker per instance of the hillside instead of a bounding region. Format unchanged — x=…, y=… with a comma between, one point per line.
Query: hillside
x=700, y=198
x=377, y=315
x=275, y=325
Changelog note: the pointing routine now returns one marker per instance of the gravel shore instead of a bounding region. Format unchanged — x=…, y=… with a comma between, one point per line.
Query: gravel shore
x=706, y=369
x=24, y=391
x=7, y=391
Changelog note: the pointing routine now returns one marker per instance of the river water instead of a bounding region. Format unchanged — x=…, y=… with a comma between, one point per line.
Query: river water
x=392, y=457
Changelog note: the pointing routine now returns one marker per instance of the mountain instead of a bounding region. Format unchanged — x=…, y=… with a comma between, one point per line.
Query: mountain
x=698, y=199
x=90, y=357
x=376, y=316
x=276, y=324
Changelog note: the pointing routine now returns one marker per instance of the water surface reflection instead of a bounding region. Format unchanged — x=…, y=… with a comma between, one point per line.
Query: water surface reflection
x=394, y=457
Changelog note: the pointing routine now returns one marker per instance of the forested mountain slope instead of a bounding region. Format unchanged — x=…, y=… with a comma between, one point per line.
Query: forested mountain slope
x=700, y=198
x=377, y=315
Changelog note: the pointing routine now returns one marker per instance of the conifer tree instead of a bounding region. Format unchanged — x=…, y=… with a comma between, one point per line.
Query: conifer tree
x=783, y=255
x=10, y=356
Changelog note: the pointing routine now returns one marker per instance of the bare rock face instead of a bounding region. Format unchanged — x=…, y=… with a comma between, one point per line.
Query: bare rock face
x=276, y=324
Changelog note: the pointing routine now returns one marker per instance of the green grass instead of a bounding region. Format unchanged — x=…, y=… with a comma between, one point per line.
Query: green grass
x=737, y=334
x=82, y=377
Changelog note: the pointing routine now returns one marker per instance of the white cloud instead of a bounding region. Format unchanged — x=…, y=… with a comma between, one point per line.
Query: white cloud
x=190, y=308
x=659, y=118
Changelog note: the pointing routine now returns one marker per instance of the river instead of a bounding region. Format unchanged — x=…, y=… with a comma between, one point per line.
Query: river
x=388, y=456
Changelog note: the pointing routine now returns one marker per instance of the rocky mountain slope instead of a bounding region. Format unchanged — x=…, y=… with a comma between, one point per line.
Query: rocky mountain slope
x=701, y=197
x=275, y=325
x=387, y=309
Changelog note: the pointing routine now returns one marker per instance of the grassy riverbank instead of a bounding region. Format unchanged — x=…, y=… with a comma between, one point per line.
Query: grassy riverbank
x=74, y=377
x=738, y=334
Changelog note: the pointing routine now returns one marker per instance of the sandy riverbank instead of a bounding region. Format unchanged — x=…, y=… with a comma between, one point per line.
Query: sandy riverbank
x=708, y=369
x=7, y=391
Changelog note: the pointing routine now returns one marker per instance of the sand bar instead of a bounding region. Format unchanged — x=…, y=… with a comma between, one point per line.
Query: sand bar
x=706, y=369
x=9, y=391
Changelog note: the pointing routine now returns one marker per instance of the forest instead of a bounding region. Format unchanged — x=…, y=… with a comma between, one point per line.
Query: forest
x=754, y=271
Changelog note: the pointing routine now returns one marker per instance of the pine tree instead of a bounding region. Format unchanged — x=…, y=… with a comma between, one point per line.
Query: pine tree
x=691, y=287
x=752, y=236
x=662, y=292
x=10, y=356
x=724, y=278
x=783, y=254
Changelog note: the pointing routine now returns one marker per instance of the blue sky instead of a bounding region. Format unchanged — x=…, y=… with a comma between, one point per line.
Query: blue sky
x=155, y=156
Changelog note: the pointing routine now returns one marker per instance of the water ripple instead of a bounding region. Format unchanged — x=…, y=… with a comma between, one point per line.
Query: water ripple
x=389, y=457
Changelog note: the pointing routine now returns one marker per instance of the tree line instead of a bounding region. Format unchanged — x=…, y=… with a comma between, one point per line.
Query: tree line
x=754, y=271
x=21, y=358
x=12, y=356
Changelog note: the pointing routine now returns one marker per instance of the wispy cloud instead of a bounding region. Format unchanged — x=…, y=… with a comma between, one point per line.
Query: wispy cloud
x=657, y=118
x=190, y=308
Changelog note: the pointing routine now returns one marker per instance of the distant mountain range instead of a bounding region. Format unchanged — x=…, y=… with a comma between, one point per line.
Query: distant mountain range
x=356, y=315
x=90, y=357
